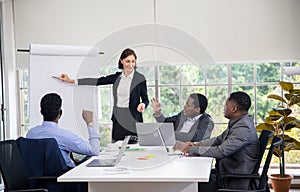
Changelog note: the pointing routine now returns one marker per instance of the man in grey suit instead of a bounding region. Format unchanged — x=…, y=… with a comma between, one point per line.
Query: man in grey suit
x=236, y=149
x=192, y=123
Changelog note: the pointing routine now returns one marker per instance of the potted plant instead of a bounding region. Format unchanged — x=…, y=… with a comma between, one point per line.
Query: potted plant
x=281, y=120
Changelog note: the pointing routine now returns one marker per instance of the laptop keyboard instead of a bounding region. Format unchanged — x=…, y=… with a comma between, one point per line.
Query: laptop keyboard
x=176, y=152
x=101, y=163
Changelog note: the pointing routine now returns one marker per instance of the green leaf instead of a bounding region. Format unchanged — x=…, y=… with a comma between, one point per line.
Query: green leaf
x=264, y=126
x=277, y=152
x=287, y=86
x=289, y=126
x=283, y=111
x=295, y=91
x=274, y=113
x=271, y=119
x=291, y=143
x=297, y=123
x=277, y=97
x=288, y=96
x=294, y=100
x=289, y=120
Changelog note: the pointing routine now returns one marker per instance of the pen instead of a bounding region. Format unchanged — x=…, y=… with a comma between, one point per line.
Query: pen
x=56, y=77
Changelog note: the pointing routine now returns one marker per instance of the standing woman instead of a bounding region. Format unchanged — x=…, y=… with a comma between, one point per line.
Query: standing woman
x=129, y=92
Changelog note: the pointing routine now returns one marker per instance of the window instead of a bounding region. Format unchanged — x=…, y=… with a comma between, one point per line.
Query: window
x=23, y=100
x=175, y=83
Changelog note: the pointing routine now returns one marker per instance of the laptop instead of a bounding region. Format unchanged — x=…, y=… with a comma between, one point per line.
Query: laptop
x=149, y=135
x=169, y=150
x=110, y=162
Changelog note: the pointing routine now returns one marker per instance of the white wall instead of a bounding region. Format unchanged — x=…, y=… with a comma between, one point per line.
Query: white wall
x=235, y=30
x=231, y=30
x=76, y=22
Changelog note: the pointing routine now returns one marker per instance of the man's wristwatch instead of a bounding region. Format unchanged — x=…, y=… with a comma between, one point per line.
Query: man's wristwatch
x=90, y=124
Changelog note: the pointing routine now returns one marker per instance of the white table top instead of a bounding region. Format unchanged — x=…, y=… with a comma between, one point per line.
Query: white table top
x=144, y=166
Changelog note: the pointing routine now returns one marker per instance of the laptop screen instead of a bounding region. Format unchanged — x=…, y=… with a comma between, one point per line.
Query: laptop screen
x=122, y=149
x=148, y=134
x=110, y=162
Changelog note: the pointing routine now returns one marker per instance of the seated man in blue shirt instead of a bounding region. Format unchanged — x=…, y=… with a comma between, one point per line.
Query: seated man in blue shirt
x=192, y=123
x=67, y=141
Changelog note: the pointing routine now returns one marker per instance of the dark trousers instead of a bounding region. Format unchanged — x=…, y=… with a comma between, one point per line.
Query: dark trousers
x=216, y=182
x=211, y=186
x=123, y=124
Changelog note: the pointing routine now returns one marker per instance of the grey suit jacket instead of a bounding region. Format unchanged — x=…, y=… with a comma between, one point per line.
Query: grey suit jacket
x=236, y=149
x=201, y=129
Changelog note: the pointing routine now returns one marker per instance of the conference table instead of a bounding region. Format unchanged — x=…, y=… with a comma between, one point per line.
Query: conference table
x=147, y=169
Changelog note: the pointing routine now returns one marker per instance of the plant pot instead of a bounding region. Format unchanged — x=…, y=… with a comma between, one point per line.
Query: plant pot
x=281, y=184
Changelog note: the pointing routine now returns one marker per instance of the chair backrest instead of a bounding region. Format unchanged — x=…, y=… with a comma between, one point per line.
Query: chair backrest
x=264, y=138
x=264, y=177
x=42, y=157
x=12, y=166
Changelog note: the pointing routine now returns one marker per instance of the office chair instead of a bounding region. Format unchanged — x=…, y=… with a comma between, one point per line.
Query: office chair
x=13, y=169
x=43, y=158
x=261, y=184
x=264, y=138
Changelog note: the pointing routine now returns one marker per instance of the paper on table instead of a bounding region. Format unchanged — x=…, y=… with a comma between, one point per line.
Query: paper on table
x=135, y=149
x=116, y=170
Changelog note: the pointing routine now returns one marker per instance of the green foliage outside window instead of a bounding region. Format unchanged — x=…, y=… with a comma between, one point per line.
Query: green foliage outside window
x=242, y=73
x=188, y=78
x=169, y=75
x=217, y=74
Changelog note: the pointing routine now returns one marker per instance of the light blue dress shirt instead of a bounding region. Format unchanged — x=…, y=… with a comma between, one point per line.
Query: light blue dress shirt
x=67, y=141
